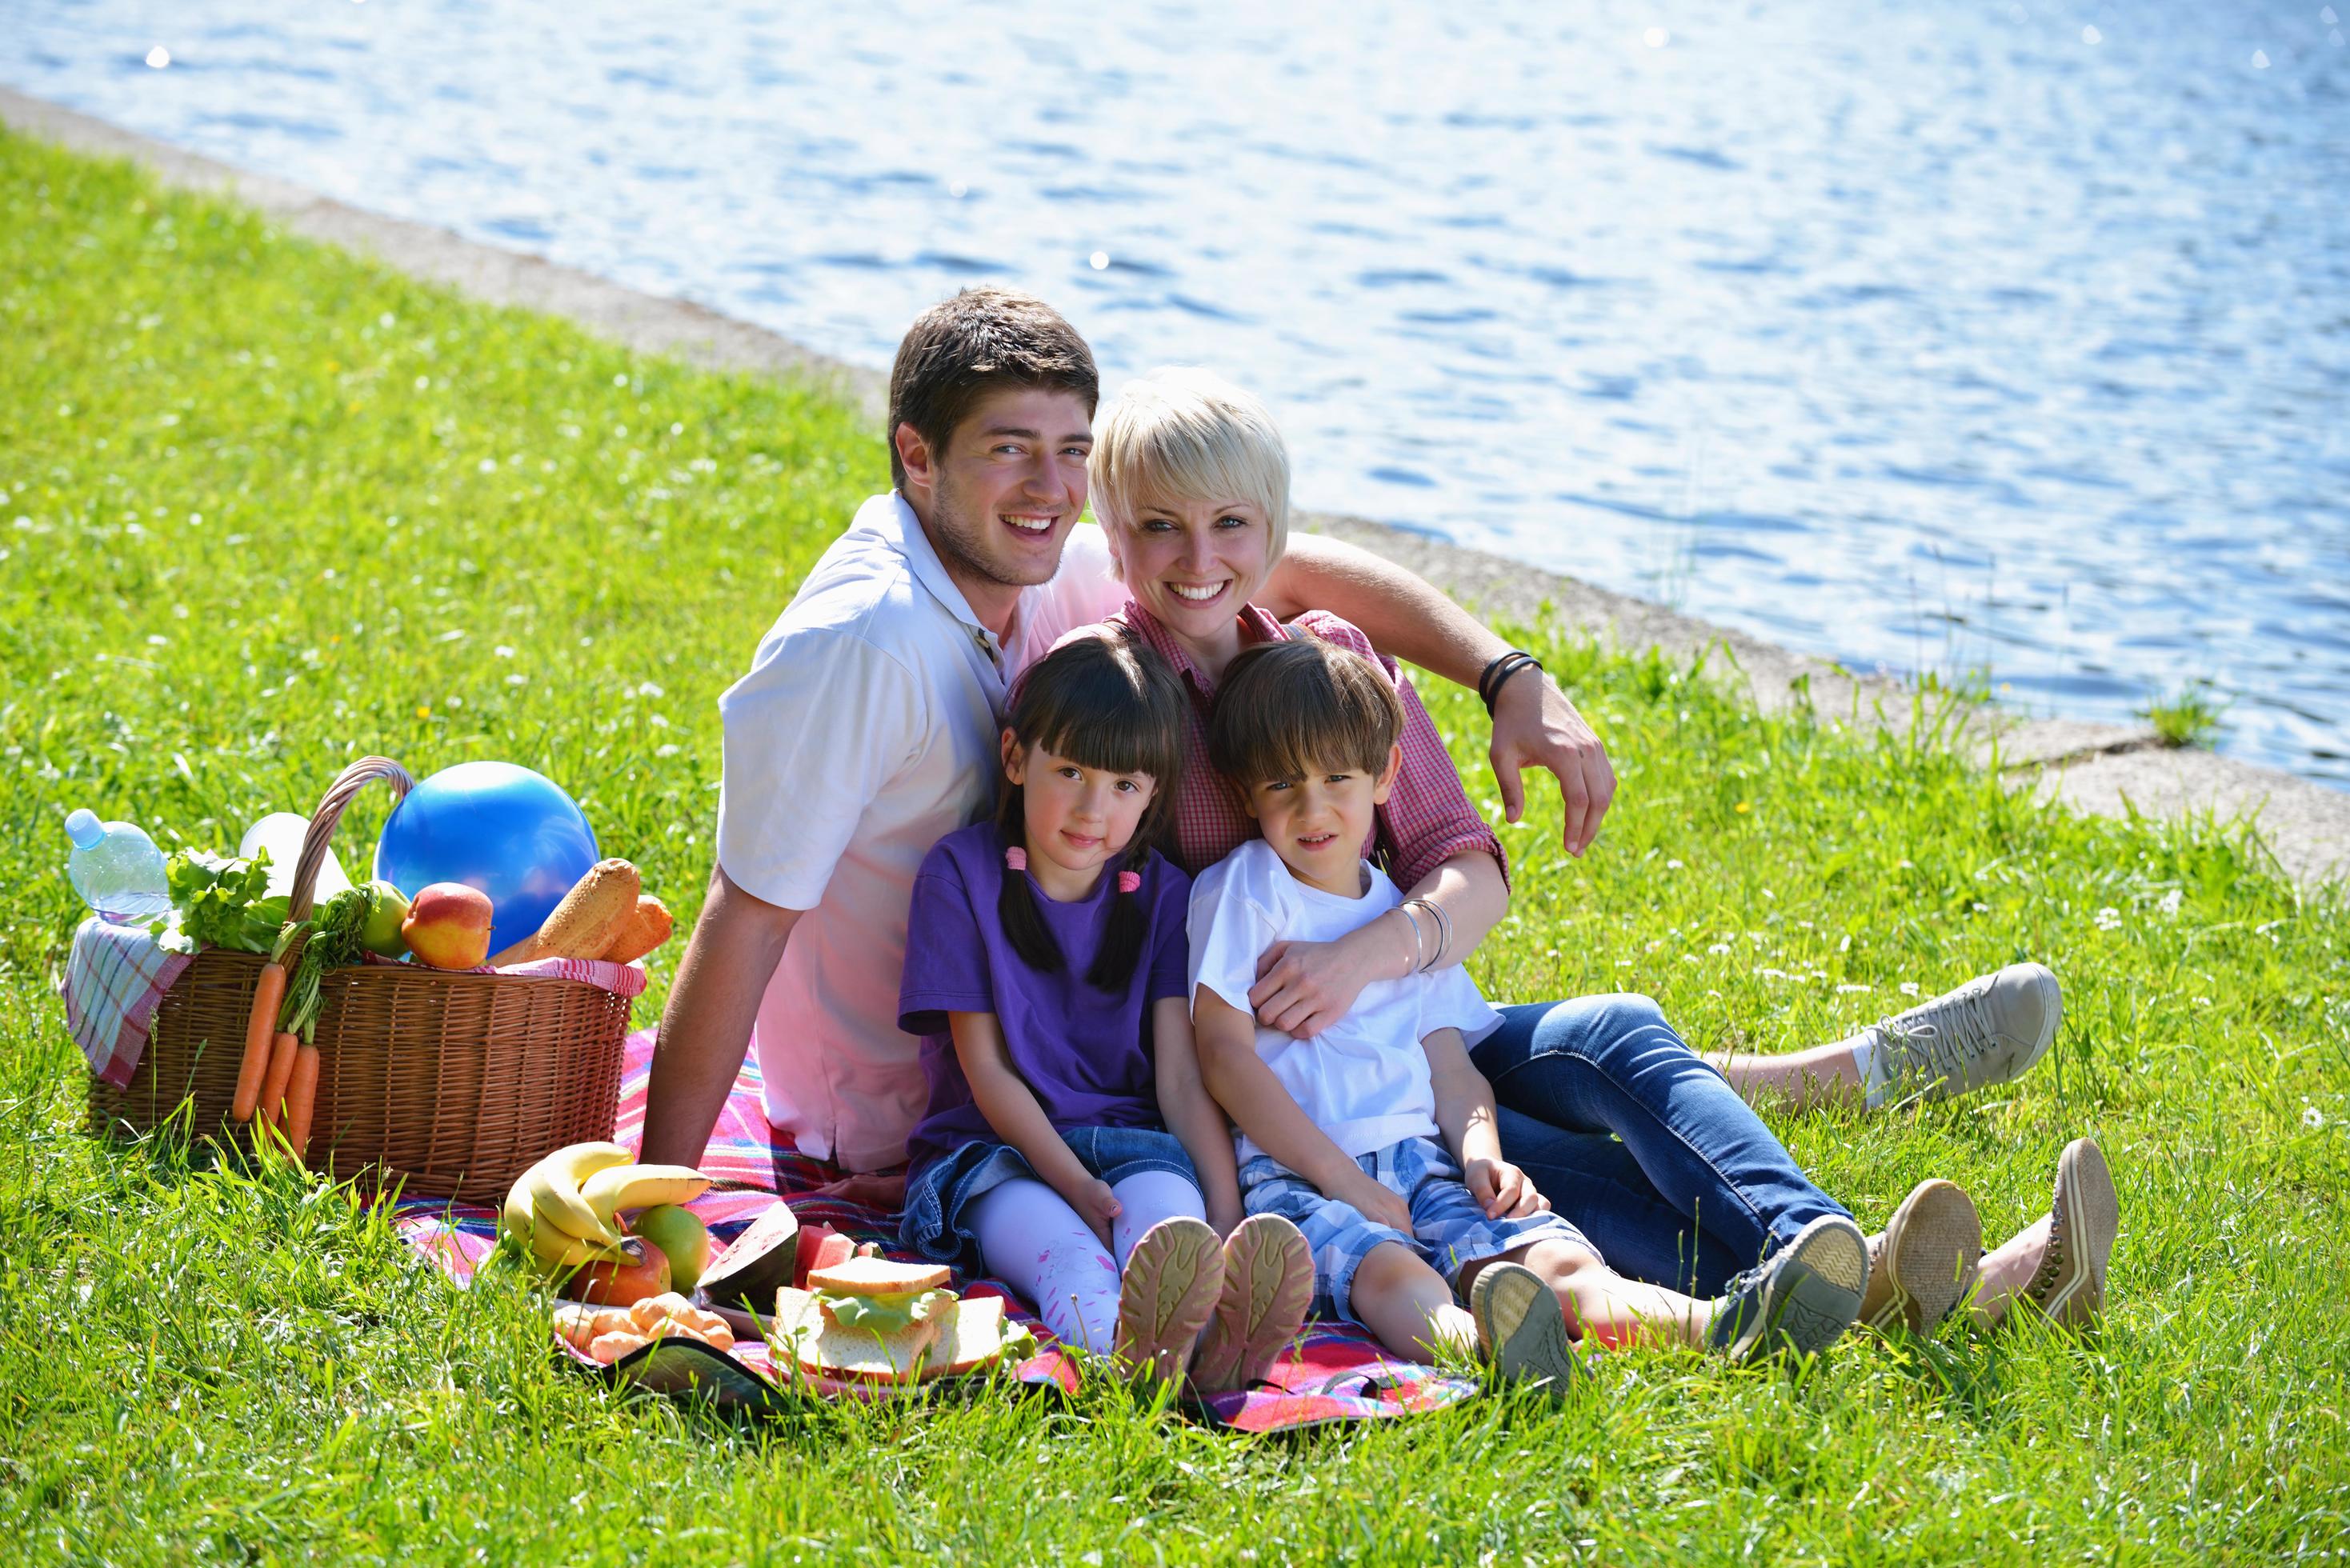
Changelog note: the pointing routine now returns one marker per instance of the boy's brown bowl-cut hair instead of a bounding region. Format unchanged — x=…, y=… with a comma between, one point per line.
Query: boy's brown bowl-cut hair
x=1285, y=709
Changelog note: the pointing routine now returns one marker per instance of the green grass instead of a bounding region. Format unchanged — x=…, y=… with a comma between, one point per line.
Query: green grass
x=2190, y=716
x=268, y=508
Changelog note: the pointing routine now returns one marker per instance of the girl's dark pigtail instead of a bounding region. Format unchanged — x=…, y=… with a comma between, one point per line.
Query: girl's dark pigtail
x=1023, y=921
x=1122, y=943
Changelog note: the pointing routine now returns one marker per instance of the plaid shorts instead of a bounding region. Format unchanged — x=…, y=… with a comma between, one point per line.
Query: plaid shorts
x=1450, y=1229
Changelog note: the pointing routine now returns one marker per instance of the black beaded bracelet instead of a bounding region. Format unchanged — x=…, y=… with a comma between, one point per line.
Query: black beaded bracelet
x=1497, y=675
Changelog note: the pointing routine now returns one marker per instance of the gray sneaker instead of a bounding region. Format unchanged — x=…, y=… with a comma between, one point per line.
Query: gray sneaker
x=1521, y=1329
x=1802, y=1298
x=1987, y=1032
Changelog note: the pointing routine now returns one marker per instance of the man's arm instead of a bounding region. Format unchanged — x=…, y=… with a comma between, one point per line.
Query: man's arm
x=1533, y=723
x=706, y=1028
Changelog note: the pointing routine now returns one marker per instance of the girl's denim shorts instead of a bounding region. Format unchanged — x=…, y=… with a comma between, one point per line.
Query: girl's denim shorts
x=939, y=1193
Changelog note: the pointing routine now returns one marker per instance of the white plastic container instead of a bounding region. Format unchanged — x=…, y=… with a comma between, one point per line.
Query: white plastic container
x=281, y=833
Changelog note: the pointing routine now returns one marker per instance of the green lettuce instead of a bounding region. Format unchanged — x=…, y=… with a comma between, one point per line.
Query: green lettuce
x=219, y=901
x=883, y=1314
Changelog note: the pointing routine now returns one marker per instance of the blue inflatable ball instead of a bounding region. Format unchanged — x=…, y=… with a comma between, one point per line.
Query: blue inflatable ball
x=510, y=831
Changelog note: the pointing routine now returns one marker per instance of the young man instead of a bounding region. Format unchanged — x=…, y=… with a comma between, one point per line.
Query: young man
x=865, y=729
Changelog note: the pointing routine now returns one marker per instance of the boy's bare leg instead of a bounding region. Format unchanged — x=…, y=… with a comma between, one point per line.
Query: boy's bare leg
x=1602, y=1305
x=1408, y=1305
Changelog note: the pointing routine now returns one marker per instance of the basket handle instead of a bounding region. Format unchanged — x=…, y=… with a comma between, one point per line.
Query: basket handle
x=347, y=783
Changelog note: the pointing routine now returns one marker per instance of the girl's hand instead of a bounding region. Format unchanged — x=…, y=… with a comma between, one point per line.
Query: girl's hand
x=1503, y=1189
x=1303, y=988
x=1097, y=1205
x=1372, y=1202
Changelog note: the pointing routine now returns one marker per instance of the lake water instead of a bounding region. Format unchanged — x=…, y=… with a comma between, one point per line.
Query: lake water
x=1987, y=338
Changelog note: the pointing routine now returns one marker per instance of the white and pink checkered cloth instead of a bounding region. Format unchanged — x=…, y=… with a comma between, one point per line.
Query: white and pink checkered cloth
x=116, y=977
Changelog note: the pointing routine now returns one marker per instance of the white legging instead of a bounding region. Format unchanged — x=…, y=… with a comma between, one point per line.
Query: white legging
x=1033, y=1240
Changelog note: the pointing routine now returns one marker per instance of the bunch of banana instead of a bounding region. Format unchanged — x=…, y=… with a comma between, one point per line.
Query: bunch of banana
x=563, y=1210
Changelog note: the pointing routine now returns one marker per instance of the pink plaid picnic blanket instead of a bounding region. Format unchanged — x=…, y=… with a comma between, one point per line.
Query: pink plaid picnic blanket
x=116, y=976
x=1334, y=1374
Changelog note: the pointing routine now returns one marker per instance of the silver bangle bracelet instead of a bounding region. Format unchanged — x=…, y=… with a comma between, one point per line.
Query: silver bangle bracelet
x=1419, y=937
x=1443, y=931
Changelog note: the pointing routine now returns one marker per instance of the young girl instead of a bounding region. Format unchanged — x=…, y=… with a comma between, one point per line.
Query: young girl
x=1046, y=971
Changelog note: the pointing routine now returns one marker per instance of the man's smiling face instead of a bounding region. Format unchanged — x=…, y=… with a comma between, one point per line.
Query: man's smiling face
x=1000, y=499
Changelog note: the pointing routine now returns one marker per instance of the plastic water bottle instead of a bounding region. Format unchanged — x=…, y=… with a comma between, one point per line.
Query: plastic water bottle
x=117, y=869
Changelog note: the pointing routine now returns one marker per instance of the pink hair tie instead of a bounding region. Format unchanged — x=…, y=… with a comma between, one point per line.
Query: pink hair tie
x=1129, y=881
x=1016, y=859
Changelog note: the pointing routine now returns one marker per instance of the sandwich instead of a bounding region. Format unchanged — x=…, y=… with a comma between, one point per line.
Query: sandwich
x=870, y=1319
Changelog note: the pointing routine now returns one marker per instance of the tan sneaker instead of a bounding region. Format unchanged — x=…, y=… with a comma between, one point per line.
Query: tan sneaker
x=1165, y=1294
x=1521, y=1329
x=1987, y=1032
x=1268, y=1284
x=2083, y=1221
x=1923, y=1264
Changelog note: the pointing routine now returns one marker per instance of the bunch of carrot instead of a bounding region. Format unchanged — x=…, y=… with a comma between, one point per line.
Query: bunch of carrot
x=278, y=1077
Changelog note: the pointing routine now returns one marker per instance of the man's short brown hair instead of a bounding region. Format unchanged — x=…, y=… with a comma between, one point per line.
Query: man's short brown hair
x=1289, y=709
x=962, y=348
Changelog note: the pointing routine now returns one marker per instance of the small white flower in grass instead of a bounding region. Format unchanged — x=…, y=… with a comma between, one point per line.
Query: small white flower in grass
x=487, y=465
x=2202, y=1002
x=503, y=651
x=1853, y=990
x=2109, y=919
x=669, y=751
x=649, y=689
x=1718, y=949
x=2311, y=1116
x=1672, y=865
x=1908, y=988
x=2170, y=901
x=155, y=640
x=659, y=723
x=518, y=679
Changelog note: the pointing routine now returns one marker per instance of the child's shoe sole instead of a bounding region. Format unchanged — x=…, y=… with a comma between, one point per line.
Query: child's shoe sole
x=1268, y=1284
x=1165, y=1294
x=1800, y=1300
x=1521, y=1329
x=1927, y=1262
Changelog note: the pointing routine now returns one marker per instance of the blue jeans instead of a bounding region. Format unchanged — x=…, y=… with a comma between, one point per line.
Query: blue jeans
x=1640, y=1144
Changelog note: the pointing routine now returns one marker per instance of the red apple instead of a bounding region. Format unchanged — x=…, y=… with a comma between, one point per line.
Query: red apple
x=642, y=1271
x=448, y=925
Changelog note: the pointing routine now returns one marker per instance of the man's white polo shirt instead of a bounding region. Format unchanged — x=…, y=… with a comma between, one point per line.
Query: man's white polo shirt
x=865, y=730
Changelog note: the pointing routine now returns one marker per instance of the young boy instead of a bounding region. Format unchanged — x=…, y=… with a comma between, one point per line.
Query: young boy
x=1377, y=1137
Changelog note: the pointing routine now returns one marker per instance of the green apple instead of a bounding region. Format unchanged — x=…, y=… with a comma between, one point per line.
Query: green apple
x=380, y=932
x=680, y=1233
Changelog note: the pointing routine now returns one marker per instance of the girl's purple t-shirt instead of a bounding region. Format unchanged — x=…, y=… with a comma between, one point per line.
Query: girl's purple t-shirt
x=1086, y=1053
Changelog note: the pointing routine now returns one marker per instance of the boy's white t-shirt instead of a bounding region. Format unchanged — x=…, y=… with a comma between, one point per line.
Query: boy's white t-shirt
x=1365, y=1081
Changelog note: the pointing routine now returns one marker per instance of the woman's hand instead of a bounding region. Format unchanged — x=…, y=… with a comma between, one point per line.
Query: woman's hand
x=1371, y=1200
x=1535, y=726
x=1503, y=1189
x=1303, y=988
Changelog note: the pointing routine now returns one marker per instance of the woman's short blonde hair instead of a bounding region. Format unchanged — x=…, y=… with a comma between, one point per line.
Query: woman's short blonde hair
x=1189, y=434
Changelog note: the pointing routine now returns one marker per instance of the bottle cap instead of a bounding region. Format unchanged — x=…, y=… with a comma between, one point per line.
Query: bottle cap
x=84, y=828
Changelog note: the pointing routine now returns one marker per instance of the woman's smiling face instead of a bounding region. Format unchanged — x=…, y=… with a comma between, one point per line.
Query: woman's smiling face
x=1193, y=564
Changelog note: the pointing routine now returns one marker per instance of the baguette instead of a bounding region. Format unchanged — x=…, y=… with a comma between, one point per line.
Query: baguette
x=582, y=926
x=640, y=931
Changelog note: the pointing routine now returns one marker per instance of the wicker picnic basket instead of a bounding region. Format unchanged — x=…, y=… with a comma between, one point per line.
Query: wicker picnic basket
x=441, y=1084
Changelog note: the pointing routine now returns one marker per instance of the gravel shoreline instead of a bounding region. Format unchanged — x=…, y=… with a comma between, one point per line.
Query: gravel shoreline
x=2105, y=769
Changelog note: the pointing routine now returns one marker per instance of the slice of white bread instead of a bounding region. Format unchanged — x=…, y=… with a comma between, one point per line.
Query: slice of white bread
x=879, y=1277
x=824, y=1348
x=972, y=1338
